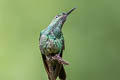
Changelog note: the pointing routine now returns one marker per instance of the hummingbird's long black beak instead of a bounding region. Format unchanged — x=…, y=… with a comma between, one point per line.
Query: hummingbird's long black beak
x=70, y=11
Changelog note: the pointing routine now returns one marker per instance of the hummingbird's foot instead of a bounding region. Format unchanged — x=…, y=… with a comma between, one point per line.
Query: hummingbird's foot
x=60, y=60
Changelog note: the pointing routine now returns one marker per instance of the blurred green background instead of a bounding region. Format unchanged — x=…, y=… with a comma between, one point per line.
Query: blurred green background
x=92, y=38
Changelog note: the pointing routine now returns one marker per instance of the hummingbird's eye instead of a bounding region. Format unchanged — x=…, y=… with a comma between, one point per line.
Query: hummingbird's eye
x=57, y=16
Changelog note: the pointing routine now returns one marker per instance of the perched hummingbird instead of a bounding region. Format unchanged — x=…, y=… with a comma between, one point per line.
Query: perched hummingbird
x=51, y=45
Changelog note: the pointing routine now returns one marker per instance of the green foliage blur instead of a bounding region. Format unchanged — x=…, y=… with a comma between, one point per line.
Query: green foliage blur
x=92, y=38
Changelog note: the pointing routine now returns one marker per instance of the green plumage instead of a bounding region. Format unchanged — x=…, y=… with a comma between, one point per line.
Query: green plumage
x=52, y=44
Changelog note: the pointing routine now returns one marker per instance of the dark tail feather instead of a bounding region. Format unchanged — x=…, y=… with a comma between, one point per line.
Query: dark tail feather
x=62, y=74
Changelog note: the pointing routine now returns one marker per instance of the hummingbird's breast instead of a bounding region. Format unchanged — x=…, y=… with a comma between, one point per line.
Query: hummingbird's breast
x=49, y=44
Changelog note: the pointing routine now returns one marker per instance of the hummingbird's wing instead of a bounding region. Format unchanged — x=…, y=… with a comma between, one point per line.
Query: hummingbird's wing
x=41, y=42
x=62, y=74
x=59, y=70
x=46, y=65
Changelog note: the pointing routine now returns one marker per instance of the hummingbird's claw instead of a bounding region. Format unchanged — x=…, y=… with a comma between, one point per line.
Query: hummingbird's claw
x=60, y=60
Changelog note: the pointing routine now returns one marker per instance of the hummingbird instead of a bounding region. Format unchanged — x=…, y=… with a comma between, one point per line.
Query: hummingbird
x=51, y=44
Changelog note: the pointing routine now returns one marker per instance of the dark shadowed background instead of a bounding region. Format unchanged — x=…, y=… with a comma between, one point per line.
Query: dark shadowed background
x=92, y=38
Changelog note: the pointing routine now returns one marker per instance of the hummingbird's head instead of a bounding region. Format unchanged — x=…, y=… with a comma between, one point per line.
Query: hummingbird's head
x=61, y=18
